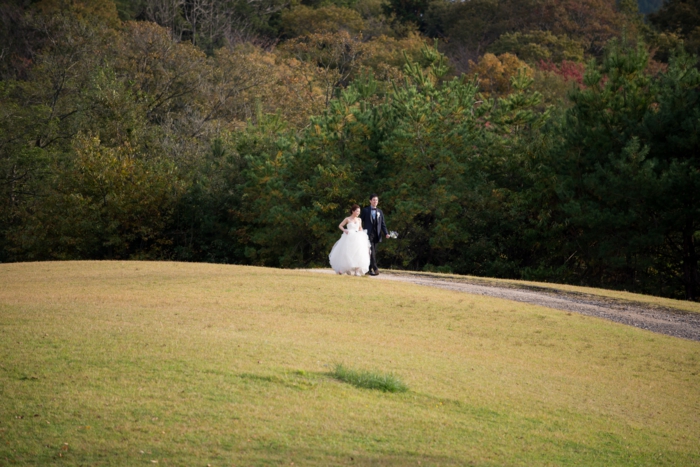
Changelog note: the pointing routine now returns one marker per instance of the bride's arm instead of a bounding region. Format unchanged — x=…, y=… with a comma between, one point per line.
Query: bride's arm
x=342, y=225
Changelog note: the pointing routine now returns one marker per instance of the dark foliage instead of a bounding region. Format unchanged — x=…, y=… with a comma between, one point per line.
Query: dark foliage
x=190, y=139
x=649, y=6
x=682, y=17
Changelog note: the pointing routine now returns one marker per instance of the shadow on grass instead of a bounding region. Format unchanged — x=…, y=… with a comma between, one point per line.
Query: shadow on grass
x=369, y=379
x=297, y=380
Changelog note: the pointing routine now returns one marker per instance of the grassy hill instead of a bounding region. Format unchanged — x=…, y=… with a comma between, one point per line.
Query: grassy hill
x=135, y=363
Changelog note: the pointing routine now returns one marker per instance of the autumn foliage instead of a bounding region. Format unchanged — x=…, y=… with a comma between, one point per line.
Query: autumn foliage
x=235, y=131
x=569, y=71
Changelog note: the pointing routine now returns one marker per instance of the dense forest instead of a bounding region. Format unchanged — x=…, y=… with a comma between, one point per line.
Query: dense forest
x=550, y=140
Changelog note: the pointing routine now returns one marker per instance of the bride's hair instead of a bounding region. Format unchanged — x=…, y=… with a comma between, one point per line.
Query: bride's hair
x=354, y=206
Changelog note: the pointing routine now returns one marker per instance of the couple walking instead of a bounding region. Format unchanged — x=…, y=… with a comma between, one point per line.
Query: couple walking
x=356, y=251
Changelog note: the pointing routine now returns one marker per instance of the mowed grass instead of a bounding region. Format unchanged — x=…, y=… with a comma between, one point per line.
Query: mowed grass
x=135, y=363
x=682, y=305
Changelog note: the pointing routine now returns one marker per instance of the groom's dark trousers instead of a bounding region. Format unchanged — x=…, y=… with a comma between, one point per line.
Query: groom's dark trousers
x=376, y=229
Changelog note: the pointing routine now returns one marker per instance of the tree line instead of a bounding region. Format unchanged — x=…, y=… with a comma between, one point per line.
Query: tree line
x=544, y=140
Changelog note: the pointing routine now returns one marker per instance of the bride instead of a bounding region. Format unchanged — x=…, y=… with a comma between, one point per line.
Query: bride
x=350, y=254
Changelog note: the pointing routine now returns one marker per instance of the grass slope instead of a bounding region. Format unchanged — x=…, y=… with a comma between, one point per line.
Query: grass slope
x=634, y=298
x=134, y=363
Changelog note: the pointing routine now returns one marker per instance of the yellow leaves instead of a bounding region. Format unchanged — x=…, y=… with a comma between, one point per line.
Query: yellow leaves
x=302, y=20
x=495, y=72
x=121, y=178
x=294, y=63
x=336, y=58
x=147, y=51
x=533, y=46
x=248, y=76
x=386, y=51
x=224, y=90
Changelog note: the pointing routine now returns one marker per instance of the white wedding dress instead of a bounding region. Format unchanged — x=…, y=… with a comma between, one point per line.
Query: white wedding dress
x=350, y=254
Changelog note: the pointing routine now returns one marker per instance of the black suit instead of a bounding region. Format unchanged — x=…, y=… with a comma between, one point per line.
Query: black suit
x=376, y=230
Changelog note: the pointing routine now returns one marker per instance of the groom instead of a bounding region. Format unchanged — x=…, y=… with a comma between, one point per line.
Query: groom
x=373, y=220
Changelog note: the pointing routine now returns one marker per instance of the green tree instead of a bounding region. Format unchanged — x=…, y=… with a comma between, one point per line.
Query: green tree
x=457, y=171
x=44, y=107
x=674, y=132
x=453, y=167
x=208, y=223
x=103, y=202
x=146, y=99
x=628, y=175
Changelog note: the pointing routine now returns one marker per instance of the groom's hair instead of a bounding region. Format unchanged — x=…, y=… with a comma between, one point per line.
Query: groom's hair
x=372, y=196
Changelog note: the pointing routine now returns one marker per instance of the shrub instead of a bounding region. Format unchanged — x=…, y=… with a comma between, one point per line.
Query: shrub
x=369, y=379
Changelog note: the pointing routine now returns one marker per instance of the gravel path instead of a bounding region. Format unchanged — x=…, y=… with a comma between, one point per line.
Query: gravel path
x=670, y=321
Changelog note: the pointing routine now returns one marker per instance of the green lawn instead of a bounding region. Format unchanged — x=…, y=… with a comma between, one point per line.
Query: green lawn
x=136, y=363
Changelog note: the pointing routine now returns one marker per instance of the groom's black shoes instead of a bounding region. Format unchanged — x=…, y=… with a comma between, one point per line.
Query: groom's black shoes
x=374, y=272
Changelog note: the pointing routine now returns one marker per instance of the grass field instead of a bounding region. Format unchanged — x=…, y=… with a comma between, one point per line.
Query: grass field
x=135, y=363
x=683, y=305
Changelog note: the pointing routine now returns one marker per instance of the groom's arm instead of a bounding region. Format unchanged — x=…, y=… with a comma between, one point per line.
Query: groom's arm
x=384, y=229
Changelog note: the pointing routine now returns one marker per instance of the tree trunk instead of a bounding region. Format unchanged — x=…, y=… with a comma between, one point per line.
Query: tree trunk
x=690, y=262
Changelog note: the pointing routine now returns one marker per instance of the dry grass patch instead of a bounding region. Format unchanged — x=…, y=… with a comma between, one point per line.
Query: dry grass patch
x=125, y=363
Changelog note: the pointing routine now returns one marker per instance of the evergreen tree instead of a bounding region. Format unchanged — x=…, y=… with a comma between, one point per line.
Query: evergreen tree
x=628, y=175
